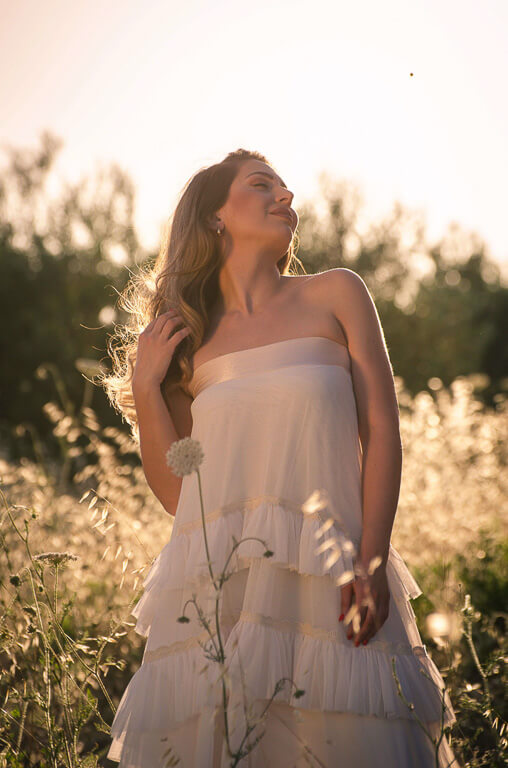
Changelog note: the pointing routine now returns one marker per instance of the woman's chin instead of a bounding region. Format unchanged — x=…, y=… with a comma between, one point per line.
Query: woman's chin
x=285, y=231
x=282, y=222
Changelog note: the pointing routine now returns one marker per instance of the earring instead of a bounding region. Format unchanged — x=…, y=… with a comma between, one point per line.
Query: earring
x=218, y=231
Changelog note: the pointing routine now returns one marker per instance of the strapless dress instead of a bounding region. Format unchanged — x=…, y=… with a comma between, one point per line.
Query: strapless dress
x=277, y=423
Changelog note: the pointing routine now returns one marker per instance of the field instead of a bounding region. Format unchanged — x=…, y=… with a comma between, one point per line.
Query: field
x=78, y=533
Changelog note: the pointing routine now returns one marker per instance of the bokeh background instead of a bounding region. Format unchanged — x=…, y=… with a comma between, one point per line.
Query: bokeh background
x=388, y=121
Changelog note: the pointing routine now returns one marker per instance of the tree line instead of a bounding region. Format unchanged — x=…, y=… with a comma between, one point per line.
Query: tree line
x=443, y=306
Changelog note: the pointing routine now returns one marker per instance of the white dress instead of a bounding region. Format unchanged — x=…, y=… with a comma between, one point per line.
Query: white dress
x=276, y=423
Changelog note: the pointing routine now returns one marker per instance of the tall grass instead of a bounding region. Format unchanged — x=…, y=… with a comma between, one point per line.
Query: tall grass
x=67, y=645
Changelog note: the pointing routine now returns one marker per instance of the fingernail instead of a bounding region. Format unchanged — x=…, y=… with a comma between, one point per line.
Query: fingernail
x=341, y=617
x=365, y=642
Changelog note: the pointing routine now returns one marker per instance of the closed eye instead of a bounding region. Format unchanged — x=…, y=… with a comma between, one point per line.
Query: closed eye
x=261, y=184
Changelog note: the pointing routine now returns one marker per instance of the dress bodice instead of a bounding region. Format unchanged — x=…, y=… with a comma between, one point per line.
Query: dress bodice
x=277, y=420
x=306, y=350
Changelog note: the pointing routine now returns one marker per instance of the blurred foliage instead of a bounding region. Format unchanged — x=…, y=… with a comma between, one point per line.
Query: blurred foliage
x=471, y=657
x=62, y=262
x=443, y=307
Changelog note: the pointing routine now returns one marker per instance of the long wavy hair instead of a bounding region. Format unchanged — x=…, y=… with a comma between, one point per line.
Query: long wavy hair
x=185, y=277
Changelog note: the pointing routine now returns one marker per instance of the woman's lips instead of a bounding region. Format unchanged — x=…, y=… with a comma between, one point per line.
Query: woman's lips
x=284, y=216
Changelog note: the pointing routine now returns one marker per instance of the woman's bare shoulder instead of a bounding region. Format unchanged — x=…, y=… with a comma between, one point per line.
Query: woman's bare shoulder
x=338, y=281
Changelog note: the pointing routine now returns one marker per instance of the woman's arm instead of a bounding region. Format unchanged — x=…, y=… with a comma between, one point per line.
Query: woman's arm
x=377, y=409
x=381, y=475
x=158, y=429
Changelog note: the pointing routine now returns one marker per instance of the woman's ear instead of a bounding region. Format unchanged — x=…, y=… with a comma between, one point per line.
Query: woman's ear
x=213, y=222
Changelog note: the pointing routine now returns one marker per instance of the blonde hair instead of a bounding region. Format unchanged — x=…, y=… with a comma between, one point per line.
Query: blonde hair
x=184, y=277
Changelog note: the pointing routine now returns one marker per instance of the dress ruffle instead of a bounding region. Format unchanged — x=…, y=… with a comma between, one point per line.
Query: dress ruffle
x=334, y=676
x=177, y=682
x=288, y=533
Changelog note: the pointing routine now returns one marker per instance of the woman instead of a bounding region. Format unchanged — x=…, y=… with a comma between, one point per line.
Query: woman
x=286, y=383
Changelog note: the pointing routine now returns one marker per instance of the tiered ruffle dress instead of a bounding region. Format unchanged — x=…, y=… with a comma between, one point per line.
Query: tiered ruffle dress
x=276, y=423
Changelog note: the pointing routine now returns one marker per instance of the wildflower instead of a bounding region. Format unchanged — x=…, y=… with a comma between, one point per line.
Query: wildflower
x=56, y=558
x=184, y=456
x=468, y=609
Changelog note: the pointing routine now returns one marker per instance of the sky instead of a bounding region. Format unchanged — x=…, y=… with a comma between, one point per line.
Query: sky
x=166, y=88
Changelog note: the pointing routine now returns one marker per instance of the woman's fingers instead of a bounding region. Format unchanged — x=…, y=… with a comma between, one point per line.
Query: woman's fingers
x=368, y=611
x=164, y=325
x=180, y=334
x=376, y=619
x=367, y=629
x=159, y=321
x=346, y=596
x=156, y=347
x=168, y=321
x=354, y=620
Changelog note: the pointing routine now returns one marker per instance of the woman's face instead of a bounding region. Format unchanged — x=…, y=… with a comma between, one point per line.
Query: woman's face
x=249, y=216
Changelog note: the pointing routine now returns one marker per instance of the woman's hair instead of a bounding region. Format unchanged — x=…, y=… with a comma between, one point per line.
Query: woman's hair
x=184, y=277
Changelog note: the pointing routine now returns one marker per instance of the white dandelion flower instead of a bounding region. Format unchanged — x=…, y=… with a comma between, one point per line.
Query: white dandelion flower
x=184, y=456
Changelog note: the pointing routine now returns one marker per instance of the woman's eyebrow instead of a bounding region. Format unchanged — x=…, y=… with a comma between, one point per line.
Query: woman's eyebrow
x=262, y=173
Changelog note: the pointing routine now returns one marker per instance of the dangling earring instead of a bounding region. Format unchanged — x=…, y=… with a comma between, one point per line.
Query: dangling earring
x=218, y=231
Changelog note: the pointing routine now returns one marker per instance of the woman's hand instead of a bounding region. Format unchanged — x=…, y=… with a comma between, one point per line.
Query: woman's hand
x=156, y=346
x=369, y=596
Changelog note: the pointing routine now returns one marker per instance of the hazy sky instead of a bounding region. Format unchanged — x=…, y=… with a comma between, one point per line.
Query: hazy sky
x=165, y=88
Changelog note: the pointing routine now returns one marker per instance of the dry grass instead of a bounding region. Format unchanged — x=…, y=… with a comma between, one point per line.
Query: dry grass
x=64, y=625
